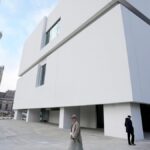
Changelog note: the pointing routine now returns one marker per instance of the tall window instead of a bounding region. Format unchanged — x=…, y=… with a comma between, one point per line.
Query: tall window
x=41, y=75
x=6, y=107
x=53, y=32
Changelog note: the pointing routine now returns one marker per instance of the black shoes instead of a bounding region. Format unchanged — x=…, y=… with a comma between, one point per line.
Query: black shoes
x=132, y=144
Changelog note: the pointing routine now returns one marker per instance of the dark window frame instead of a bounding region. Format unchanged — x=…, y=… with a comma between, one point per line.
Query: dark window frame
x=41, y=75
x=47, y=36
x=6, y=107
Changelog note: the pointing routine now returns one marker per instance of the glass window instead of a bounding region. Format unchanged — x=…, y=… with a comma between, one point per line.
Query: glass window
x=6, y=107
x=53, y=32
x=41, y=75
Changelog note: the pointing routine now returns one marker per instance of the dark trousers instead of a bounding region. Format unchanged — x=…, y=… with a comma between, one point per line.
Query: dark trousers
x=130, y=138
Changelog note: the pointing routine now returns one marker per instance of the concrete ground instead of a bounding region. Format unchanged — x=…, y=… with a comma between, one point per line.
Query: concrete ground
x=18, y=135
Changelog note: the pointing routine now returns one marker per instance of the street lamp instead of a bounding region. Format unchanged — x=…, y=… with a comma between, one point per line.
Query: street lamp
x=0, y=35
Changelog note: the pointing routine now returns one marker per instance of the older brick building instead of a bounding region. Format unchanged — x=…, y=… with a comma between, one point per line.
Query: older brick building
x=6, y=102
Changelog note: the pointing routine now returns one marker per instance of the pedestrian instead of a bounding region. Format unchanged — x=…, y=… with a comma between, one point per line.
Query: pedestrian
x=129, y=130
x=75, y=135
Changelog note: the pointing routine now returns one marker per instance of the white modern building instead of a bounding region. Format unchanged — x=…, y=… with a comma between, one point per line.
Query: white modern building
x=1, y=73
x=91, y=58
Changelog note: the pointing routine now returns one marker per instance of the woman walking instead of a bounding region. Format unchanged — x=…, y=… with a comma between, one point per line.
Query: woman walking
x=75, y=135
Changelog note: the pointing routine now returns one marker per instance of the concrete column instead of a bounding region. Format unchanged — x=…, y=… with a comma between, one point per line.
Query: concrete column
x=33, y=115
x=114, y=118
x=18, y=115
x=65, y=116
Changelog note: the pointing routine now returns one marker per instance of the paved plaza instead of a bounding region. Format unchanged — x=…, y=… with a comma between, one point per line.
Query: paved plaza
x=18, y=135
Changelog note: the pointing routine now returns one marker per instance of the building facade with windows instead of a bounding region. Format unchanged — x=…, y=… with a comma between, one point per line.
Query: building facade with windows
x=1, y=73
x=6, y=103
x=90, y=58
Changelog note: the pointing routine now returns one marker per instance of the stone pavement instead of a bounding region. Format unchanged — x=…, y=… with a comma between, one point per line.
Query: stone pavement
x=18, y=135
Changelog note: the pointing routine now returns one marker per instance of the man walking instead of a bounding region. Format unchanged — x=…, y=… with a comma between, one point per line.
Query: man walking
x=75, y=135
x=129, y=130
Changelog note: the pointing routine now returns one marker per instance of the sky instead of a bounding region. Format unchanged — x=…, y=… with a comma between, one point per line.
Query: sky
x=18, y=19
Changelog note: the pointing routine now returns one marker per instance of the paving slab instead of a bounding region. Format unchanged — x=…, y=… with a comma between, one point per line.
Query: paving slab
x=19, y=135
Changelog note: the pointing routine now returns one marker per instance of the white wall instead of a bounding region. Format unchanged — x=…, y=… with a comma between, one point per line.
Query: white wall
x=91, y=68
x=54, y=117
x=137, y=35
x=88, y=116
x=32, y=46
x=141, y=5
x=18, y=115
x=137, y=121
x=66, y=113
x=72, y=13
x=114, y=119
x=33, y=115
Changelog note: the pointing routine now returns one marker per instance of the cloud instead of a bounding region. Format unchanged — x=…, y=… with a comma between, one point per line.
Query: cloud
x=12, y=6
x=11, y=69
x=31, y=20
x=4, y=26
x=9, y=79
x=43, y=4
x=39, y=14
x=18, y=18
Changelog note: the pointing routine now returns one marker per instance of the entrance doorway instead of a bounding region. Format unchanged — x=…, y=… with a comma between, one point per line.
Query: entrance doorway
x=44, y=116
x=145, y=113
x=100, y=116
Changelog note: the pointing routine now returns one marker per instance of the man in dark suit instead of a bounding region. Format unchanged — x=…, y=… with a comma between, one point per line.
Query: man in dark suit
x=129, y=130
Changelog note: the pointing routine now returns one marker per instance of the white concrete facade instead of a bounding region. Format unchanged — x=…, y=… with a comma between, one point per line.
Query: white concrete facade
x=33, y=115
x=18, y=115
x=65, y=116
x=100, y=57
x=88, y=117
x=116, y=113
x=54, y=117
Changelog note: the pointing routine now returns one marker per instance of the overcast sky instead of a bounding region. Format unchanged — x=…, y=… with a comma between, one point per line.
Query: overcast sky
x=18, y=18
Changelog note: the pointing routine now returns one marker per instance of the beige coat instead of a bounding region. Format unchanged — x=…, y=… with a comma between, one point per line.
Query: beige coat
x=76, y=140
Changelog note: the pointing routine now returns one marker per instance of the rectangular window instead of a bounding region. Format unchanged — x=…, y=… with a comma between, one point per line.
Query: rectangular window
x=53, y=32
x=6, y=107
x=41, y=75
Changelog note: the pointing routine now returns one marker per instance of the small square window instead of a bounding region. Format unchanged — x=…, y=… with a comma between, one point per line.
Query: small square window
x=41, y=75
